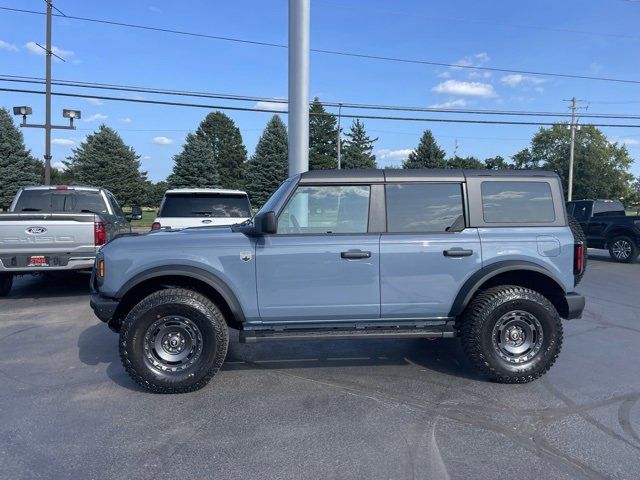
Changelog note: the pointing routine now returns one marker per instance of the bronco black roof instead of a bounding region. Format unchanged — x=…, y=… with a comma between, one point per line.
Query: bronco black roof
x=410, y=175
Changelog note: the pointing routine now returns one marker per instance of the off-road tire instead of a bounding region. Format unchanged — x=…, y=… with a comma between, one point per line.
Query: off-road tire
x=201, y=312
x=484, y=313
x=633, y=253
x=579, y=236
x=6, y=282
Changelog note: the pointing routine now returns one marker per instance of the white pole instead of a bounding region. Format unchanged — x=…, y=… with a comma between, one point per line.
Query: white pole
x=573, y=138
x=299, y=18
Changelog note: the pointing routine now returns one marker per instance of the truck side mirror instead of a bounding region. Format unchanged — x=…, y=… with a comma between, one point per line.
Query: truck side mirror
x=266, y=223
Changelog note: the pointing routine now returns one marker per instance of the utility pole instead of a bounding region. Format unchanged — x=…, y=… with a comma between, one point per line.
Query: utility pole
x=299, y=20
x=47, y=114
x=572, y=128
x=24, y=111
x=339, y=116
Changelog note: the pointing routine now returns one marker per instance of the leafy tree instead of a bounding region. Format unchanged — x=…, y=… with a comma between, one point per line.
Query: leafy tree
x=195, y=165
x=17, y=166
x=524, y=161
x=154, y=192
x=601, y=168
x=358, y=148
x=229, y=153
x=59, y=176
x=496, y=163
x=323, y=138
x=427, y=155
x=470, y=163
x=104, y=160
x=268, y=167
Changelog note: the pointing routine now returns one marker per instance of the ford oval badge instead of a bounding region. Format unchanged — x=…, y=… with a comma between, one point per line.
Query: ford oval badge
x=36, y=230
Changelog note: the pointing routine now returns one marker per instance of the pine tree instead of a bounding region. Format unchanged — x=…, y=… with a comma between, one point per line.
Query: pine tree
x=229, y=153
x=268, y=167
x=195, y=165
x=358, y=148
x=323, y=138
x=427, y=155
x=104, y=160
x=17, y=166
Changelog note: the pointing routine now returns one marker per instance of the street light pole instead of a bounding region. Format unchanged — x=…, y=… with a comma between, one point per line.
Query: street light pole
x=573, y=139
x=299, y=19
x=339, y=116
x=47, y=121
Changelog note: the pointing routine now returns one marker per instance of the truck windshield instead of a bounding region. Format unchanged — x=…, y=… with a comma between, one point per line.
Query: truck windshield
x=61, y=201
x=217, y=205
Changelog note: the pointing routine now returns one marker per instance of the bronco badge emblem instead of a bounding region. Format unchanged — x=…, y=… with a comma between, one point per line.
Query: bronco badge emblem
x=245, y=256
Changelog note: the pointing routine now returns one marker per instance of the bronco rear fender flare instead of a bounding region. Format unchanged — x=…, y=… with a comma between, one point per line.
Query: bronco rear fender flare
x=191, y=272
x=475, y=281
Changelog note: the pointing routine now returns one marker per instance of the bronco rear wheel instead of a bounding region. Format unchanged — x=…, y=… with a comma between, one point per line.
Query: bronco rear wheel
x=173, y=341
x=6, y=282
x=512, y=334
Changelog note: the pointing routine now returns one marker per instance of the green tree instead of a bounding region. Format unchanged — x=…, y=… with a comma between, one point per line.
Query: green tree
x=470, y=163
x=523, y=160
x=358, y=148
x=229, y=153
x=323, y=138
x=195, y=165
x=268, y=167
x=427, y=155
x=104, y=160
x=496, y=163
x=601, y=168
x=154, y=192
x=17, y=166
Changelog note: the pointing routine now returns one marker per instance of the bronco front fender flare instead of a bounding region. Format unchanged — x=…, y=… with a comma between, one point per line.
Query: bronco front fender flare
x=191, y=272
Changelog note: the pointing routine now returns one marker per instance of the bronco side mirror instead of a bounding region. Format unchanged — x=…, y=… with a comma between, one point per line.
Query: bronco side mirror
x=266, y=223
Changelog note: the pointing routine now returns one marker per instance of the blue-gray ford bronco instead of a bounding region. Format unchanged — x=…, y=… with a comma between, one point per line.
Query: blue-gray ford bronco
x=487, y=256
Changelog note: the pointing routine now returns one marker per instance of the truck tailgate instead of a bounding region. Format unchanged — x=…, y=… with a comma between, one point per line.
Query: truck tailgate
x=36, y=234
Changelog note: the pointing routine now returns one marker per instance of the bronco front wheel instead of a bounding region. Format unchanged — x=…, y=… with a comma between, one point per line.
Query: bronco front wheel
x=173, y=341
x=512, y=334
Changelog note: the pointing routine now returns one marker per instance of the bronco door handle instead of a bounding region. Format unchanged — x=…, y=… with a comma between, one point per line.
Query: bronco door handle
x=355, y=254
x=457, y=252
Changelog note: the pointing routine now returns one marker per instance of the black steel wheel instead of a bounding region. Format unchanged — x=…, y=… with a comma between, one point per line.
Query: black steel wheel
x=6, y=282
x=511, y=334
x=173, y=341
x=623, y=249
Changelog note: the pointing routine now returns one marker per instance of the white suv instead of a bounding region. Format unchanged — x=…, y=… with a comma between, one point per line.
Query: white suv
x=202, y=207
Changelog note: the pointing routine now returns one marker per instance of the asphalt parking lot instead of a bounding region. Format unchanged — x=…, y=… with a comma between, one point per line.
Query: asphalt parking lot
x=376, y=409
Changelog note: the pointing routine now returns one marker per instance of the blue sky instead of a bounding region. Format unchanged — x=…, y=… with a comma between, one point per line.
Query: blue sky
x=592, y=37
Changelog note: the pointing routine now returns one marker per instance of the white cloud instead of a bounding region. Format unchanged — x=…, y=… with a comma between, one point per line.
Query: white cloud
x=8, y=46
x=629, y=141
x=472, y=89
x=67, y=142
x=477, y=60
x=458, y=102
x=162, y=140
x=386, y=154
x=125, y=120
x=36, y=50
x=445, y=74
x=146, y=157
x=94, y=101
x=279, y=106
x=59, y=166
x=517, y=79
x=96, y=117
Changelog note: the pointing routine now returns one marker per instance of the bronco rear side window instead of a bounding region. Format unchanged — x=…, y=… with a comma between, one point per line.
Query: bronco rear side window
x=517, y=202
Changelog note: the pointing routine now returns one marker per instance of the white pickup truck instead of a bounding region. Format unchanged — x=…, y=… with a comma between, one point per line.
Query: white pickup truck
x=56, y=228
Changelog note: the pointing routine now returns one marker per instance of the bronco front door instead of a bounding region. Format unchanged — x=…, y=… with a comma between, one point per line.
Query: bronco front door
x=322, y=264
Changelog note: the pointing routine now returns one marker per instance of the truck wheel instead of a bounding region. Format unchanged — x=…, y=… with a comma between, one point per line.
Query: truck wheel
x=6, y=282
x=579, y=236
x=623, y=249
x=511, y=334
x=173, y=341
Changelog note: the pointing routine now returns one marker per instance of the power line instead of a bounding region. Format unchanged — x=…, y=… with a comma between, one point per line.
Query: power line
x=266, y=110
x=331, y=52
x=187, y=93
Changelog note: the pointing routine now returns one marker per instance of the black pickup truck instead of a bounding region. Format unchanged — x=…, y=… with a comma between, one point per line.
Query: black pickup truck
x=606, y=225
